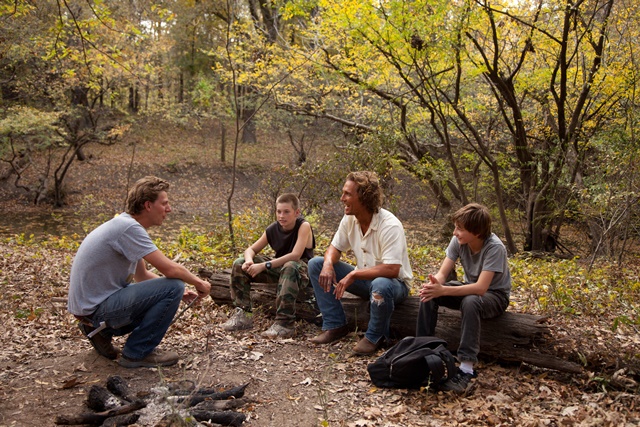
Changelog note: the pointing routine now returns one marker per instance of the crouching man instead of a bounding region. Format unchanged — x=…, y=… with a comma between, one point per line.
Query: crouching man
x=111, y=285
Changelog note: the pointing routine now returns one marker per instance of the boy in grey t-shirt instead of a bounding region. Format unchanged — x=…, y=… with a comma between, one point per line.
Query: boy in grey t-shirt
x=484, y=294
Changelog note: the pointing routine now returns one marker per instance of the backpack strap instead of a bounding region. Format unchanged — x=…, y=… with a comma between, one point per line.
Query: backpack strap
x=449, y=360
x=434, y=362
x=441, y=364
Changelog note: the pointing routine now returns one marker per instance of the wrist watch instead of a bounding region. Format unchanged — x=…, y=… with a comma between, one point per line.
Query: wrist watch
x=268, y=265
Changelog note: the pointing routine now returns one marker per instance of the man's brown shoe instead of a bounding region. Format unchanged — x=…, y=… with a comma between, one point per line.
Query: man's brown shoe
x=331, y=335
x=102, y=344
x=366, y=347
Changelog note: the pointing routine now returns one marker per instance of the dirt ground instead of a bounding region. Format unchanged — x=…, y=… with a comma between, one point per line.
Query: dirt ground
x=47, y=366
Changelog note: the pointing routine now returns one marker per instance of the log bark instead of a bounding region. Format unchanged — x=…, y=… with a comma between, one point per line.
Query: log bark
x=511, y=337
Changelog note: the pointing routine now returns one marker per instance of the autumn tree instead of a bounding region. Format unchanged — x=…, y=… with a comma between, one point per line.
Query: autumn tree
x=488, y=101
x=60, y=57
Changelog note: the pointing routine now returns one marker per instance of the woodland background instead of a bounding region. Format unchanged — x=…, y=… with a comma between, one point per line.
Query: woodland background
x=528, y=107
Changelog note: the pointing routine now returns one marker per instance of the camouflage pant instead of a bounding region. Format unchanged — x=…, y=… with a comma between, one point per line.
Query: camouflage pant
x=292, y=278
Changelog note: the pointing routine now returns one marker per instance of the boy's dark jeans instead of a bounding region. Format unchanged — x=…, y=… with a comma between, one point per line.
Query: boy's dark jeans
x=473, y=308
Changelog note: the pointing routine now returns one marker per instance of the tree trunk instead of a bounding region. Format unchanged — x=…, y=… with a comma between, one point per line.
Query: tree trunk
x=510, y=337
x=248, y=127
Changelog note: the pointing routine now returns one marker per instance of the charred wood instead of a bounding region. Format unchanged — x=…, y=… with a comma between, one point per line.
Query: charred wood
x=192, y=400
x=97, y=418
x=121, y=420
x=100, y=399
x=117, y=386
x=220, y=405
x=225, y=418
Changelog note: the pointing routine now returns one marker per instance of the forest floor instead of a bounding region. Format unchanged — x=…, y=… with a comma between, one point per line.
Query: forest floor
x=47, y=366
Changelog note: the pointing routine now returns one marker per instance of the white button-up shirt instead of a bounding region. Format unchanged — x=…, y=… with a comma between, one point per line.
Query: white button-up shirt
x=384, y=242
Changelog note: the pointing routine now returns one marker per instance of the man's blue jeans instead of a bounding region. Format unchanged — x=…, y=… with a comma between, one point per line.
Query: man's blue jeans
x=144, y=310
x=392, y=291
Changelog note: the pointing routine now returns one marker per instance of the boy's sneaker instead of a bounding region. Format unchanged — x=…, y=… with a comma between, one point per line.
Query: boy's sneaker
x=239, y=321
x=102, y=344
x=153, y=359
x=459, y=382
x=279, y=331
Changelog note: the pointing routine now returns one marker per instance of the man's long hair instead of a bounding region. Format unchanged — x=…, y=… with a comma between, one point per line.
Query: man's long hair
x=369, y=190
x=144, y=190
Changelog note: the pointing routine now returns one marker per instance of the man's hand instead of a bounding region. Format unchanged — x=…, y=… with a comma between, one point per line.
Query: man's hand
x=203, y=287
x=343, y=284
x=189, y=296
x=327, y=277
x=431, y=289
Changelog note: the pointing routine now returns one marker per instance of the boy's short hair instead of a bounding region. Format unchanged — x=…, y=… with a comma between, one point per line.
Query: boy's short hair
x=475, y=218
x=144, y=190
x=369, y=190
x=290, y=198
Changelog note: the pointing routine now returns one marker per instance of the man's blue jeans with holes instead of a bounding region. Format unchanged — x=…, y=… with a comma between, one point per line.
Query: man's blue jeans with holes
x=144, y=310
x=383, y=295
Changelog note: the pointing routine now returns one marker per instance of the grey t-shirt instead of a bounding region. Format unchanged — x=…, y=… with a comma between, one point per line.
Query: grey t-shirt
x=106, y=261
x=492, y=257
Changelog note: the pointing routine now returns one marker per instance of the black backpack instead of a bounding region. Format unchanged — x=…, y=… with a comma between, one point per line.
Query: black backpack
x=413, y=362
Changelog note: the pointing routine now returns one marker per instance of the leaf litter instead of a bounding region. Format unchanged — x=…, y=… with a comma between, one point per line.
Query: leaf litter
x=46, y=367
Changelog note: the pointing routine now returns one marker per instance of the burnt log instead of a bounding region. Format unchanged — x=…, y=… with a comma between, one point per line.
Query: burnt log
x=121, y=420
x=220, y=405
x=192, y=400
x=225, y=418
x=511, y=337
x=100, y=399
x=117, y=386
x=97, y=418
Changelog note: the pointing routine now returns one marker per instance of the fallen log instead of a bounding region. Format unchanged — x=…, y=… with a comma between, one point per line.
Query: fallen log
x=511, y=337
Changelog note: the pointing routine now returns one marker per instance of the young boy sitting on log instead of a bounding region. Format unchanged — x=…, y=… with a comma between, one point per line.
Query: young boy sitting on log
x=484, y=294
x=292, y=240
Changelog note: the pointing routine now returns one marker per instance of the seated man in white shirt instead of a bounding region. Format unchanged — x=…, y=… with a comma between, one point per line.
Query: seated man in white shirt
x=381, y=275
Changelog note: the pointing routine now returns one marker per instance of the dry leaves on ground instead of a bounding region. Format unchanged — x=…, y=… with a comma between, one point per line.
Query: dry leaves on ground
x=46, y=367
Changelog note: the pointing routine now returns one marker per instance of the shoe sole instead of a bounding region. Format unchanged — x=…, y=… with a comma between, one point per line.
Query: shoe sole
x=140, y=364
